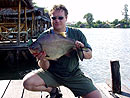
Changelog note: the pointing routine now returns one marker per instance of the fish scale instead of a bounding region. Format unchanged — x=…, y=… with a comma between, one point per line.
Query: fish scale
x=54, y=45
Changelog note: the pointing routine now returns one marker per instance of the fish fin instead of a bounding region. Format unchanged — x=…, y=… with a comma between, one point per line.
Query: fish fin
x=85, y=49
x=30, y=42
x=47, y=56
x=80, y=53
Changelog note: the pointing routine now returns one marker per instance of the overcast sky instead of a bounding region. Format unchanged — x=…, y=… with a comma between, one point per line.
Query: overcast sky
x=101, y=9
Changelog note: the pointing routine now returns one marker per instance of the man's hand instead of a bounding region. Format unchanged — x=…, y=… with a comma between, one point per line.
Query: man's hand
x=41, y=56
x=42, y=61
x=79, y=44
x=87, y=54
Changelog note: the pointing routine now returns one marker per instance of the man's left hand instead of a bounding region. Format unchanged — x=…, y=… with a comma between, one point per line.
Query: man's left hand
x=79, y=44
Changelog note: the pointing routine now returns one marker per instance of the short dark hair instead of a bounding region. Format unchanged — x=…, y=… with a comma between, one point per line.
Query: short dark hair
x=59, y=7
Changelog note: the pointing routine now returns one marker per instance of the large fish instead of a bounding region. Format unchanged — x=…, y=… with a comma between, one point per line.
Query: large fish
x=54, y=45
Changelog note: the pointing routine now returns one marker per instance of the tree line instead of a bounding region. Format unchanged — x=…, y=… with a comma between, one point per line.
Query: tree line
x=123, y=23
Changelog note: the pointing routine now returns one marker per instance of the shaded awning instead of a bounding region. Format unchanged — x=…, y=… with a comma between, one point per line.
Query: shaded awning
x=14, y=4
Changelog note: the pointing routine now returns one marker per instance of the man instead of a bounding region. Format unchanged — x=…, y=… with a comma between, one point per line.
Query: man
x=64, y=71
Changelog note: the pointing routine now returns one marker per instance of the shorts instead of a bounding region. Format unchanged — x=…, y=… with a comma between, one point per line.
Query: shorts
x=79, y=84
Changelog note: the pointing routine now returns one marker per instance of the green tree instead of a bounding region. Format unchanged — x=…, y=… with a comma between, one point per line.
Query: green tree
x=34, y=4
x=98, y=24
x=115, y=22
x=79, y=23
x=125, y=12
x=45, y=10
x=89, y=19
x=123, y=23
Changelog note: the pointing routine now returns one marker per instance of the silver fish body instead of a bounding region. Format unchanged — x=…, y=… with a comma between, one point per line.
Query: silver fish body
x=54, y=45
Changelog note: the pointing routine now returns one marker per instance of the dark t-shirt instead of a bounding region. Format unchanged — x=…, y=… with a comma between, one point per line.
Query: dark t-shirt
x=67, y=66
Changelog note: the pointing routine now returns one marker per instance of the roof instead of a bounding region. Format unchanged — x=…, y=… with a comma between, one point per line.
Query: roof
x=12, y=14
x=8, y=11
x=14, y=3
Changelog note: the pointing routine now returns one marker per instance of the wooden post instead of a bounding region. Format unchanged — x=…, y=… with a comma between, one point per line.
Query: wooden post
x=19, y=22
x=116, y=79
x=32, y=25
x=25, y=16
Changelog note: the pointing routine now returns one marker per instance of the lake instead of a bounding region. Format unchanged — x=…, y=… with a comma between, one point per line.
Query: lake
x=107, y=44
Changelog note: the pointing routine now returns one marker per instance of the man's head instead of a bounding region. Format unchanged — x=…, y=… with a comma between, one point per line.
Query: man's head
x=58, y=15
x=59, y=7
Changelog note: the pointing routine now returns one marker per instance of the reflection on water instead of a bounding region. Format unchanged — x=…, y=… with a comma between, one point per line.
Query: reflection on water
x=16, y=64
x=107, y=44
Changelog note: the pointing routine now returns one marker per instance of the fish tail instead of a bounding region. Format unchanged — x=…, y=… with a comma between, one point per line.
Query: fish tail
x=80, y=53
x=30, y=42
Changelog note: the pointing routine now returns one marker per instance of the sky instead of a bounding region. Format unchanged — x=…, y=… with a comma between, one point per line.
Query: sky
x=104, y=10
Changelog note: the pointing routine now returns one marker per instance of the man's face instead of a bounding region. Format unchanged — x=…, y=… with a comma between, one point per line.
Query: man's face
x=58, y=20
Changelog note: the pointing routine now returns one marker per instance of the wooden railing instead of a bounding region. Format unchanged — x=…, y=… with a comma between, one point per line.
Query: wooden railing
x=9, y=31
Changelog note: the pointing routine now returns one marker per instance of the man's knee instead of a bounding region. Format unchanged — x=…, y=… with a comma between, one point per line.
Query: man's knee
x=27, y=83
x=32, y=80
x=93, y=94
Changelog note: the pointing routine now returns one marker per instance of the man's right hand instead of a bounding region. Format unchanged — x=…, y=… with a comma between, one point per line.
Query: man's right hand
x=41, y=56
x=42, y=61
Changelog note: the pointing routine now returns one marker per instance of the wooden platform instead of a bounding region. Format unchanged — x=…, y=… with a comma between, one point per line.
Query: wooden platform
x=13, y=46
x=14, y=89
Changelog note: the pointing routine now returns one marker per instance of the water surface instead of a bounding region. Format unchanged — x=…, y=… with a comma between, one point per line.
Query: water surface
x=107, y=44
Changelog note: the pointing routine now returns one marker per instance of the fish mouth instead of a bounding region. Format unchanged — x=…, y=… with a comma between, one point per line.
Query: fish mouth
x=36, y=49
x=36, y=54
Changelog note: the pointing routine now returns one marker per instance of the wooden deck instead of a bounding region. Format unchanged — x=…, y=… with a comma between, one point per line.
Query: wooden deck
x=14, y=89
x=13, y=46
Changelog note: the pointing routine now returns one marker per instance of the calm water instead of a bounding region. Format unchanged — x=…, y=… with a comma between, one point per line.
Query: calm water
x=107, y=44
